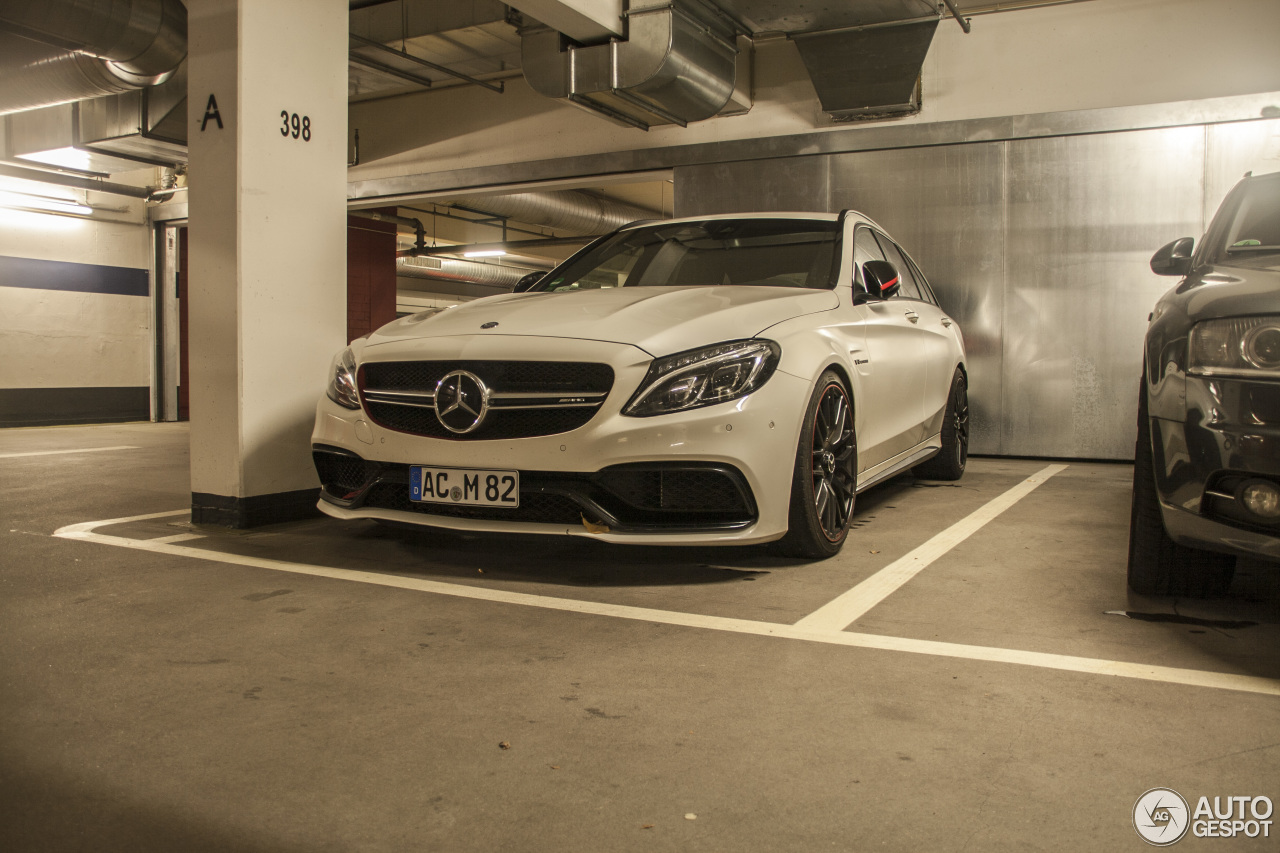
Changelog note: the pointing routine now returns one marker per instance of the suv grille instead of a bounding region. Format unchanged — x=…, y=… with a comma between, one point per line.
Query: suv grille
x=527, y=398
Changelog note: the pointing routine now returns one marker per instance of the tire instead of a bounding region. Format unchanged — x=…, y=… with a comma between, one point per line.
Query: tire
x=824, y=487
x=1157, y=564
x=949, y=462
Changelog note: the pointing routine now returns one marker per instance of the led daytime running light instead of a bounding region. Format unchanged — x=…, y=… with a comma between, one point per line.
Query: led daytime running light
x=705, y=377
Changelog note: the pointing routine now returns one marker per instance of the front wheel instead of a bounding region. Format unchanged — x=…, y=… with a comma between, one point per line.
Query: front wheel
x=1157, y=564
x=824, y=486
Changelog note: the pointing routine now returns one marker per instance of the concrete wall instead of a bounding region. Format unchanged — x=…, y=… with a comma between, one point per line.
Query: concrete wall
x=70, y=352
x=1103, y=53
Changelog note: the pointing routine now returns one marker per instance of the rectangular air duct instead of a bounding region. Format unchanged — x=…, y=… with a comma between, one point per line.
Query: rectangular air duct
x=865, y=72
x=677, y=65
x=114, y=133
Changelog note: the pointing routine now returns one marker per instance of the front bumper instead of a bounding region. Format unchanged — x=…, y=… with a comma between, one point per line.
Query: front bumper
x=746, y=447
x=1231, y=433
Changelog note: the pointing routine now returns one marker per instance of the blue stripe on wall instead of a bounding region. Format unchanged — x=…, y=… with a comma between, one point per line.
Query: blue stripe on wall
x=85, y=278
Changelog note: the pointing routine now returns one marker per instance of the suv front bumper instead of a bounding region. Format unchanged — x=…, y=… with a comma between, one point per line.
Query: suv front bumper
x=1231, y=431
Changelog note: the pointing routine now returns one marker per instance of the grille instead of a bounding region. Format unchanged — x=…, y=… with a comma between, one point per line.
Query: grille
x=534, y=506
x=705, y=490
x=566, y=378
x=519, y=423
x=554, y=377
x=343, y=474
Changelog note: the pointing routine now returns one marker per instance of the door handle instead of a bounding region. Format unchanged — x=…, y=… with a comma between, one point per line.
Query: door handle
x=946, y=321
x=913, y=316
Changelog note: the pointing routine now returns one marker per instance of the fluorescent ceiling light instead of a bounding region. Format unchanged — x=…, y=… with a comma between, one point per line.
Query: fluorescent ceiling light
x=67, y=158
x=29, y=201
x=492, y=253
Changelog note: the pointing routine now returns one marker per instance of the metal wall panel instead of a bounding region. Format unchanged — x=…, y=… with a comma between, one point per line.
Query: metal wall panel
x=1085, y=214
x=1038, y=246
x=1233, y=149
x=782, y=184
x=946, y=206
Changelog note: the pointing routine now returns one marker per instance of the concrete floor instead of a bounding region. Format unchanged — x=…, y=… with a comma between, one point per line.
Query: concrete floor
x=213, y=694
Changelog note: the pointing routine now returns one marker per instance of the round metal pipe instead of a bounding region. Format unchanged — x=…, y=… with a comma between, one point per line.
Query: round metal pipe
x=447, y=269
x=57, y=51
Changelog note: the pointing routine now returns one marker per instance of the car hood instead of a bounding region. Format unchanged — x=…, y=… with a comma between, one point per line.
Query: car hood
x=658, y=320
x=1249, y=287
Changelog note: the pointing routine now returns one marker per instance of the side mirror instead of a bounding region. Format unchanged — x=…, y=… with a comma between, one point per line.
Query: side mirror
x=881, y=278
x=1173, y=259
x=527, y=282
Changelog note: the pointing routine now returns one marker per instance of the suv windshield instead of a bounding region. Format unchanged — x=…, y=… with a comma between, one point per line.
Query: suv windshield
x=752, y=252
x=1254, y=225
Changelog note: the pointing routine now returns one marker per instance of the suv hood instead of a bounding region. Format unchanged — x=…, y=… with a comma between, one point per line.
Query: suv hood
x=658, y=320
x=1249, y=287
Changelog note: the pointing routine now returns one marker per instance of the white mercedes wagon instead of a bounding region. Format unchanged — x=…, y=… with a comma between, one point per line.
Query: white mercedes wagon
x=716, y=380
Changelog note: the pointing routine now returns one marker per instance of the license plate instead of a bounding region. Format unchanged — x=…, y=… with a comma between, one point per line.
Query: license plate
x=464, y=486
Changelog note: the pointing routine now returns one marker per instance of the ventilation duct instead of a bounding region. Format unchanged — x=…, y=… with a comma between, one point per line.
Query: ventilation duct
x=467, y=272
x=864, y=72
x=677, y=65
x=566, y=210
x=116, y=133
x=59, y=51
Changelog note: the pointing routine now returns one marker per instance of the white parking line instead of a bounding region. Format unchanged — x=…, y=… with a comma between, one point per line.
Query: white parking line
x=842, y=612
x=1170, y=675
x=61, y=452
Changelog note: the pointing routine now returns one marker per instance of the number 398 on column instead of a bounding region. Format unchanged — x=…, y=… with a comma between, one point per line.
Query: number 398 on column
x=294, y=126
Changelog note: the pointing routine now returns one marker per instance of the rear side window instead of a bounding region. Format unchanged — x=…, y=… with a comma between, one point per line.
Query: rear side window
x=907, y=288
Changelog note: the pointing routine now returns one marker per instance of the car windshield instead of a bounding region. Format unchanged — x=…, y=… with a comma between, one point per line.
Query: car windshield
x=750, y=252
x=1254, y=228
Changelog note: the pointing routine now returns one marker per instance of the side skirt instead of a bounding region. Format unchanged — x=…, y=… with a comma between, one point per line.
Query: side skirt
x=904, y=460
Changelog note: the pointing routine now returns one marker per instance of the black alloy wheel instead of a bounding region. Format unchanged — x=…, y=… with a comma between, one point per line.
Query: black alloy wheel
x=824, y=488
x=950, y=461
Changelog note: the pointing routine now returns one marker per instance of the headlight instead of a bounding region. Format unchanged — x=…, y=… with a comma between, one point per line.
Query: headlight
x=1237, y=346
x=342, y=380
x=704, y=377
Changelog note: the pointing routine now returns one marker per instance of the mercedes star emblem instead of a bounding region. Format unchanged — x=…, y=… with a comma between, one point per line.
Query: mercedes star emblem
x=462, y=401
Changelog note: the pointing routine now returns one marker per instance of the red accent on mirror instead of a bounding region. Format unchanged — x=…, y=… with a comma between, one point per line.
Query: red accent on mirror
x=889, y=284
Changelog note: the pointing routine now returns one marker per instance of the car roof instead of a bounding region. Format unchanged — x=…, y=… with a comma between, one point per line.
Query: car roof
x=786, y=214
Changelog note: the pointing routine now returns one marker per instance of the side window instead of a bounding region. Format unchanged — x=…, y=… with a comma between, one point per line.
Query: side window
x=926, y=291
x=865, y=248
x=908, y=289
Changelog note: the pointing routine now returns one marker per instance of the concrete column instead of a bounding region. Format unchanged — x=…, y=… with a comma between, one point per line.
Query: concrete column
x=267, y=116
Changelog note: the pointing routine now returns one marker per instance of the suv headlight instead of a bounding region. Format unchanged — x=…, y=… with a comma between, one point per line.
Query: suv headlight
x=342, y=380
x=704, y=377
x=1236, y=346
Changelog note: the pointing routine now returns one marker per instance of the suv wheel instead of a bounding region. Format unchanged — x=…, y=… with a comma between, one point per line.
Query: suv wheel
x=1157, y=564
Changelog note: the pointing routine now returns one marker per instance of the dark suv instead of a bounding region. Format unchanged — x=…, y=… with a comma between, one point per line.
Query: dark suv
x=1206, y=478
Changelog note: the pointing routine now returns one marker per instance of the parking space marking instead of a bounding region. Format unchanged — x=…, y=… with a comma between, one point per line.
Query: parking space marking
x=61, y=452
x=1095, y=666
x=841, y=612
x=177, y=537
